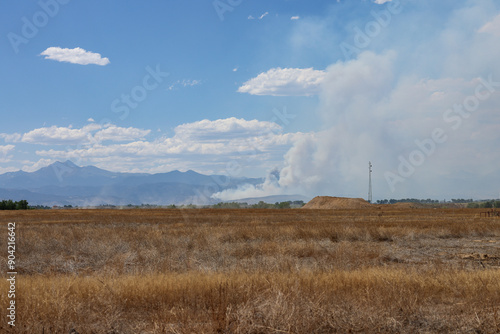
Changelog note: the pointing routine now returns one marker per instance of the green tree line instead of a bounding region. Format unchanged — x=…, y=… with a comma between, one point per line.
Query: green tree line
x=485, y=205
x=407, y=200
x=11, y=205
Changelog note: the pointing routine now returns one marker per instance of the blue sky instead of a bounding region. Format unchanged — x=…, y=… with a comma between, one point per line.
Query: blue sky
x=304, y=93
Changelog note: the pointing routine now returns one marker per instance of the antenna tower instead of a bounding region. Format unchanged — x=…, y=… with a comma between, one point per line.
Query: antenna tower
x=370, y=181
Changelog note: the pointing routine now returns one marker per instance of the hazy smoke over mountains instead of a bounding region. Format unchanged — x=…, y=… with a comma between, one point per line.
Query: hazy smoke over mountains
x=423, y=110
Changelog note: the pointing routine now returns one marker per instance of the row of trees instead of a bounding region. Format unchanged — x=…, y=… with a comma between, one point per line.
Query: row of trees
x=11, y=205
x=486, y=205
x=461, y=200
x=407, y=200
x=471, y=202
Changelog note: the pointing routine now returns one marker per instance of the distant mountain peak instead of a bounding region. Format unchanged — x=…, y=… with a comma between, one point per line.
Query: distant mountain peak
x=67, y=163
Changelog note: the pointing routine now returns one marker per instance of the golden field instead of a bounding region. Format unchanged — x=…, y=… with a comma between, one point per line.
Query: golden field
x=381, y=270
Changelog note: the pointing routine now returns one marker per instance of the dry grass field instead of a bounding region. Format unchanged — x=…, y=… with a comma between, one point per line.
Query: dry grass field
x=387, y=270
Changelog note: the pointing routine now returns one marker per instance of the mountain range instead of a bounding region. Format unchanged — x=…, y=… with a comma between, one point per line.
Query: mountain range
x=64, y=183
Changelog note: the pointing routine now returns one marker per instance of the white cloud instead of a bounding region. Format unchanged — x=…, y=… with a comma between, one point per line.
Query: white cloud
x=118, y=134
x=91, y=120
x=56, y=135
x=4, y=153
x=89, y=134
x=74, y=56
x=381, y=2
x=204, y=144
x=295, y=17
x=285, y=82
x=251, y=17
x=8, y=169
x=190, y=83
x=32, y=167
x=223, y=129
x=492, y=27
x=11, y=138
x=4, y=149
x=184, y=83
x=223, y=136
x=263, y=15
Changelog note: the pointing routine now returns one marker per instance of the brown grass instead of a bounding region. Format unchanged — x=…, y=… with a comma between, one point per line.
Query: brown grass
x=392, y=270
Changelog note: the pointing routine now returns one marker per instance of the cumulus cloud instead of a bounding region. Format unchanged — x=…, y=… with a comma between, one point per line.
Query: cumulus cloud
x=285, y=82
x=4, y=152
x=295, y=17
x=119, y=134
x=228, y=136
x=74, y=56
x=224, y=136
x=90, y=133
x=57, y=135
x=4, y=149
x=8, y=169
x=228, y=146
x=232, y=146
x=224, y=129
x=32, y=167
x=11, y=138
x=381, y=2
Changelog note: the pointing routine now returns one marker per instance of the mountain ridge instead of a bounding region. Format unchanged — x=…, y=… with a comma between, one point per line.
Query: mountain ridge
x=65, y=183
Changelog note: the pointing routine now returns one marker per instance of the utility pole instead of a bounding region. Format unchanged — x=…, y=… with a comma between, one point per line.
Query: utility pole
x=370, y=181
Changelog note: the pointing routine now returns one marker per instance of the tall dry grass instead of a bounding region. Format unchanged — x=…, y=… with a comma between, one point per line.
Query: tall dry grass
x=252, y=271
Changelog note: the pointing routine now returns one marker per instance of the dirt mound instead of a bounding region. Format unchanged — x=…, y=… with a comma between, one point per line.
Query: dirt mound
x=327, y=202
